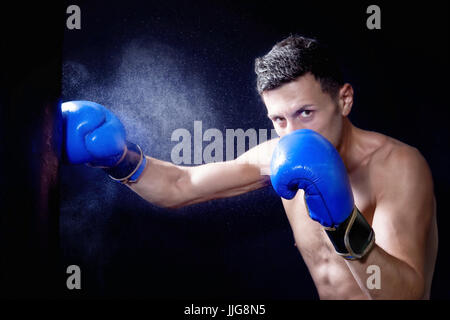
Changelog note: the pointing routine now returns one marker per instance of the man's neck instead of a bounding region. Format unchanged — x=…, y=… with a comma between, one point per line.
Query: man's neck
x=346, y=144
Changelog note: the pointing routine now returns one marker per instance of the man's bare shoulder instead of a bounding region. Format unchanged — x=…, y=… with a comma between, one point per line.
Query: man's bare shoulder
x=394, y=154
x=396, y=162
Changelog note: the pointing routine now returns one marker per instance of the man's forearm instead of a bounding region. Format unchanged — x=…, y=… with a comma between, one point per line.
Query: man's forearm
x=397, y=280
x=158, y=183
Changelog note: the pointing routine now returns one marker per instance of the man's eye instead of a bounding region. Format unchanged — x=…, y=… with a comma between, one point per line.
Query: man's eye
x=278, y=120
x=306, y=113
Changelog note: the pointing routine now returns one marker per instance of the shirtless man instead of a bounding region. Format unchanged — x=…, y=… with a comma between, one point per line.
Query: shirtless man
x=302, y=88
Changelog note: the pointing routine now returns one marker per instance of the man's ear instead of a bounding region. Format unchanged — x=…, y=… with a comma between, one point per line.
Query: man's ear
x=345, y=99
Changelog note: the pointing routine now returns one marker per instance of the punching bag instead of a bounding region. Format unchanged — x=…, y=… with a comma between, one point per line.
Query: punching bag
x=30, y=135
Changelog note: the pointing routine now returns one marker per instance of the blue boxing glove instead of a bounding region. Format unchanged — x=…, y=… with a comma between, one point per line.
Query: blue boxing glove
x=93, y=135
x=304, y=159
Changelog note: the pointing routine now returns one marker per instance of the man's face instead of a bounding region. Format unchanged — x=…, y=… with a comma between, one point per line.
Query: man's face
x=301, y=104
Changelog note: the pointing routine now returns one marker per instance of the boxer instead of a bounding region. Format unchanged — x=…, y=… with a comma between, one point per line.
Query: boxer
x=354, y=198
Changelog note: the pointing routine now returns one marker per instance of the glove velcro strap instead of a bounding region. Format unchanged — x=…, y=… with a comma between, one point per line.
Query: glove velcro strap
x=130, y=167
x=353, y=238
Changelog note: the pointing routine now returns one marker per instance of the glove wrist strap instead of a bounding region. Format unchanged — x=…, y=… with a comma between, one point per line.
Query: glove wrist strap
x=353, y=238
x=130, y=167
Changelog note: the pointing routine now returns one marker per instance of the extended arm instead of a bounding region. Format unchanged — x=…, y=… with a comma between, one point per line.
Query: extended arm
x=167, y=185
x=95, y=136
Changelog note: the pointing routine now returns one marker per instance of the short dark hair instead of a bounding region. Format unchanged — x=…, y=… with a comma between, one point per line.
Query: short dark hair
x=294, y=57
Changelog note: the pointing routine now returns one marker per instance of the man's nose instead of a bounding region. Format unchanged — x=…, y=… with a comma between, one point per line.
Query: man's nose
x=290, y=127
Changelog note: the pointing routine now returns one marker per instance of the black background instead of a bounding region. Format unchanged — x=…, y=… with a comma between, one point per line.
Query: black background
x=202, y=53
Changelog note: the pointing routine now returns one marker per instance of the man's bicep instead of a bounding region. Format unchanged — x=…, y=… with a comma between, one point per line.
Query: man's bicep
x=404, y=209
x=260, y=156
x=219, y=180
x=248, y=172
